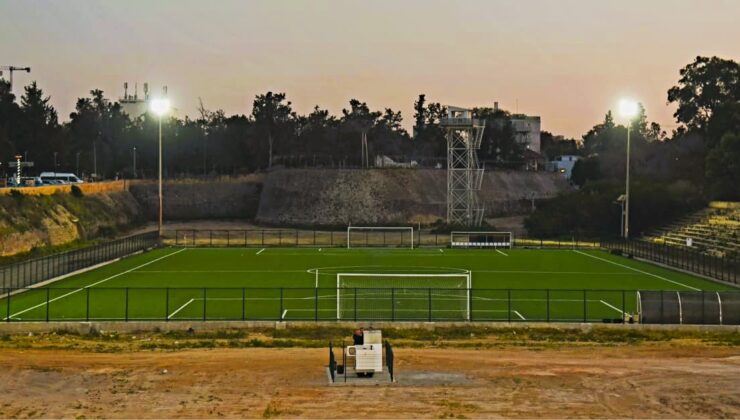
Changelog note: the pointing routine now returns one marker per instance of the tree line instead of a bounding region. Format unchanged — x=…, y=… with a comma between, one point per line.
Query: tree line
x=101, y=138
x=670, y=174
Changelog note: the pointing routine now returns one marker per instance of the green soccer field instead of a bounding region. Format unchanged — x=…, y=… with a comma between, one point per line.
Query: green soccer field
x=375, y=284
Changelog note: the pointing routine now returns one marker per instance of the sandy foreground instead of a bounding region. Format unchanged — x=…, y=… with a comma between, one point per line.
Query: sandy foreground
x=644, y=381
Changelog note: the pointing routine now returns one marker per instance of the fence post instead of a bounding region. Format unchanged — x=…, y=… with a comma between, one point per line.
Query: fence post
x=7, y=318
x=430, y=304
x=47, y=304
x=316, y=304
x=205, y=303
x=87, y=304
x=509, y=304
x=280, y=315
x=167, y=304
x=470, y=304
x=584, y=306
x=125, y=303
x=623, y=307
x=547, y=299
x=393, y=304
x=355, y=306
x=244, y=301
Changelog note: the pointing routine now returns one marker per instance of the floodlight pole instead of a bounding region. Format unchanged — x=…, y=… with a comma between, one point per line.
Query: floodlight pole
x=160, y=176
x=627, y=188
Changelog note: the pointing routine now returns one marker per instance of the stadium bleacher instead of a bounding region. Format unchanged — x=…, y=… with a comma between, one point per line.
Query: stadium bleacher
x=714, y=230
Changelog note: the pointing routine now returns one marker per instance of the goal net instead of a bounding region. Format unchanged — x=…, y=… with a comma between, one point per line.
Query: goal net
x=481, y=240
x=403, y=296
x=372, y=236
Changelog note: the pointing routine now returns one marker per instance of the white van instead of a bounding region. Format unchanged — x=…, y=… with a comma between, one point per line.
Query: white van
x=66, y=178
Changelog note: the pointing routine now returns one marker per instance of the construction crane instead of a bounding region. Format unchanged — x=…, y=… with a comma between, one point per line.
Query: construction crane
x=11, y=69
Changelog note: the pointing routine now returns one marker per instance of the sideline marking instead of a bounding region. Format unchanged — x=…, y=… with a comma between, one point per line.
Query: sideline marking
x=639, y=271
x=180, y=308
x=260, y=251
x=520, y=315
x=94, y=284
x=502, y=253
x=612, y=306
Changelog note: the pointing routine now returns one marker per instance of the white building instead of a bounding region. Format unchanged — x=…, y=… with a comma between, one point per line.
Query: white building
x=563, y=164
x=527, y=131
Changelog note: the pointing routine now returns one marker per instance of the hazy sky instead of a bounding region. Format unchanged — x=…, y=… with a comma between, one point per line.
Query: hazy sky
x=567, y=61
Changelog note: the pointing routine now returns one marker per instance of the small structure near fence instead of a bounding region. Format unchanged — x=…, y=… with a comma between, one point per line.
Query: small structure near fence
x=363, y=362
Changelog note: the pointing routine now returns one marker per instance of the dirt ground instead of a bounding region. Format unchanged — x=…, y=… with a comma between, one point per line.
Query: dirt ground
x=662, y=380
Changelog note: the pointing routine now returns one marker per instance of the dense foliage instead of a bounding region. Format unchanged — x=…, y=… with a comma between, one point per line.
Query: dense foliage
x=671, y=175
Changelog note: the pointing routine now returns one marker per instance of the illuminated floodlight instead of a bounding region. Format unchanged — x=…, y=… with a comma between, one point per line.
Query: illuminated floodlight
x=160, y=106
x=628, y=108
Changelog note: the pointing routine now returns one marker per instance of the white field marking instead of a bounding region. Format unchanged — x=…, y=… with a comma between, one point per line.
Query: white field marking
x=612, y=306
x=282, y=317
x=440, y=250
x=180, y=308
x=520, y=315
x=639, y=271
x=219, y=271
x=319, y=249
x=260, y=251
x=502, y=253
x=95, y=284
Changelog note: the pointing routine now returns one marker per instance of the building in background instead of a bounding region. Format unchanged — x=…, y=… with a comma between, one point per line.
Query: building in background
x=133, y=105
x=527, y=131
x=563, y=164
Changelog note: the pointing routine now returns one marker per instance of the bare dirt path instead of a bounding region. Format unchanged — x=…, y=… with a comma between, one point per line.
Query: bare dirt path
x=644, y=381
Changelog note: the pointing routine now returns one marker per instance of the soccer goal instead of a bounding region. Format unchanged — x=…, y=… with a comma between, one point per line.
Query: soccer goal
x=375, y=236
x=481, y=240
x=403, y=296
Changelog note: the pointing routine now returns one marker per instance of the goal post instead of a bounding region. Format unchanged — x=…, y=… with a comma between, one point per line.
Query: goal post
x=399, y=296
x=481, y=240
x=378, y=236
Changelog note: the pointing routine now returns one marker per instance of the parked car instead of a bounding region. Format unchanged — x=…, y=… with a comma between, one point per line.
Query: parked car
x=65, y=178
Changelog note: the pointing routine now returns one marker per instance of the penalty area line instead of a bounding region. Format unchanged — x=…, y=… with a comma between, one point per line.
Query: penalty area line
x=639, y=271
x=260, y=251
x=502, y=253
x=520, y=315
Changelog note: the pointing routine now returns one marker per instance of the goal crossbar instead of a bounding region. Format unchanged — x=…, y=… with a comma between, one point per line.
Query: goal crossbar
x=376, y=229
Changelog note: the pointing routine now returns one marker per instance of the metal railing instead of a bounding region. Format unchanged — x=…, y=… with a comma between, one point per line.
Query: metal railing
x=720, y=268
x=337, y=238
x=50, y=304
x=389, y=359
x=29, y=272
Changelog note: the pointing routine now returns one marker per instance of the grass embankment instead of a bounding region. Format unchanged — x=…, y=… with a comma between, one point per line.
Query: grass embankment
x=473, y=337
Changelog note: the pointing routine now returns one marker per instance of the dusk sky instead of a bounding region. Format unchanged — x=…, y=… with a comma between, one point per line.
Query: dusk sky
x=567, y=61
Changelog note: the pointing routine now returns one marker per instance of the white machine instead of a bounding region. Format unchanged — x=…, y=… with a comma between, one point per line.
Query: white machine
x=368, y=357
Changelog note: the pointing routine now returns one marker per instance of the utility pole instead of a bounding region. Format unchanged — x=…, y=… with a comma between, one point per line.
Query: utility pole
x=134, y=161
x=10, y=70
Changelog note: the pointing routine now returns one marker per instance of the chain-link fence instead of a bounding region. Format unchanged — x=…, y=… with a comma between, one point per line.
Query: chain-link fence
x=30, y=272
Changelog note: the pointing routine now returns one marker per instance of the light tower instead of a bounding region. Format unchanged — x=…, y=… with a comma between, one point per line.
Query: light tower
x=464, y=175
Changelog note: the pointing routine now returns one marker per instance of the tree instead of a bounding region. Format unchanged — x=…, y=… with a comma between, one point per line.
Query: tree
x=39, y=132
x=272, y=114
x=705, y=85
x=723, y=168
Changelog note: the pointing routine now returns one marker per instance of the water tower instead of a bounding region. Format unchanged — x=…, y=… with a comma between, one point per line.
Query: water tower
x=464, y=175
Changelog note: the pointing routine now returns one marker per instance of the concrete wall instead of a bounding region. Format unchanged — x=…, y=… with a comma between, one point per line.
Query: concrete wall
x=87, y=188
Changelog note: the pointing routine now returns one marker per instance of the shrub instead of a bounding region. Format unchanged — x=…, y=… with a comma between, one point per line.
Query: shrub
x=77, y=191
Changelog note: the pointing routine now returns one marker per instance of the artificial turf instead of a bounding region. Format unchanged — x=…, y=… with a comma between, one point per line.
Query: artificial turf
x=301, y=283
